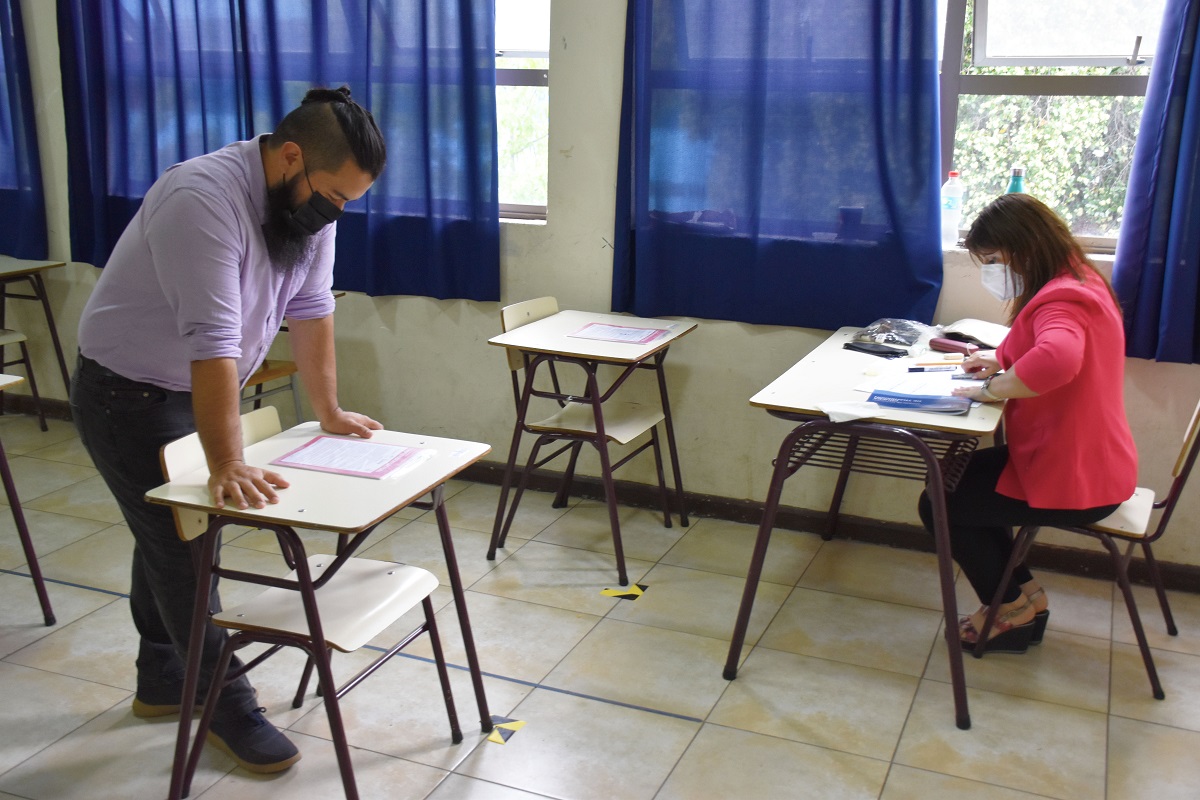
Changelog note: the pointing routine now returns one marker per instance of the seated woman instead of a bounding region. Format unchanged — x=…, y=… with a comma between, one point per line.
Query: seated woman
x=1070, y=457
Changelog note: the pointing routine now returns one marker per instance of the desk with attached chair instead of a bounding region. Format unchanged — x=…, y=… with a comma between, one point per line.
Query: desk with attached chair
x=924, y=446
x=540, y=338
x=325, y=602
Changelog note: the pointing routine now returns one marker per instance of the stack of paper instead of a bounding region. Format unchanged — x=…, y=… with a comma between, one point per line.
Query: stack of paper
x=921, y=402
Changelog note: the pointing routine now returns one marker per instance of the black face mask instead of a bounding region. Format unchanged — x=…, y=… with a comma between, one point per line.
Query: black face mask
x=318, y=212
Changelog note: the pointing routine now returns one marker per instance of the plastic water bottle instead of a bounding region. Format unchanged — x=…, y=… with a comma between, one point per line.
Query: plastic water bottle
x=1016, y=183
x=952, y=203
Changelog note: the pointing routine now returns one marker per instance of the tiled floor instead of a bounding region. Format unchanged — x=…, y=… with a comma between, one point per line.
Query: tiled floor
x=843, y=691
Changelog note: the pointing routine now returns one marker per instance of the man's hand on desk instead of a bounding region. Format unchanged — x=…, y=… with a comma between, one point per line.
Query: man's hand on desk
x=350, y=422
x=244, y=486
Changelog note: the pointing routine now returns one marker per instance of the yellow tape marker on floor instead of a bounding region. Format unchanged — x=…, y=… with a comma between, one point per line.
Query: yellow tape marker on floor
x=626, y=593
x=503, y=729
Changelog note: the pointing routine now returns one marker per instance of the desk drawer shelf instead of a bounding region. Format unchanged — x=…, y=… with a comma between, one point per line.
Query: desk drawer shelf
x=831, y=447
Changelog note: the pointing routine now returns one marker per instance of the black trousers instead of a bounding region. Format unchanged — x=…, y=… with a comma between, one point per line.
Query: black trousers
x=981, y=520
x=123, y=424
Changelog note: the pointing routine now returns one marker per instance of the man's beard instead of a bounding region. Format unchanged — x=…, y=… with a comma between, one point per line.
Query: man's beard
x=287, y=247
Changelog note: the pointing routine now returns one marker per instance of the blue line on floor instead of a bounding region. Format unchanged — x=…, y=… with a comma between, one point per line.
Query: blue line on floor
x=530, y=684
x=534, y=685
x=66, y=583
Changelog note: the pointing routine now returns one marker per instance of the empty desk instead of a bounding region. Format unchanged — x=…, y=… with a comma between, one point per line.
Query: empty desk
x=17, y=270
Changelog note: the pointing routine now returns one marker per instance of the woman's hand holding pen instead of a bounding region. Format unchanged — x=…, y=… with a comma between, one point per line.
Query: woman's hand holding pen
x=982, y=364
x=990, y=384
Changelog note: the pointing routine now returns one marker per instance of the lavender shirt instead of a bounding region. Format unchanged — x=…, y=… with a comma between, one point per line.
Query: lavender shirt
x=190, y=278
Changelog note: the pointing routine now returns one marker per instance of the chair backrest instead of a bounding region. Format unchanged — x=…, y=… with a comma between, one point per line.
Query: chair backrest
x=187, y=454
x=1183, y=468
x=1189, y=441
x=523, y=313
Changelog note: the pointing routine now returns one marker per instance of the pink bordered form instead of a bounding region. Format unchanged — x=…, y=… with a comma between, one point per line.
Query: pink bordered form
x=619, y=333
x=346, y=456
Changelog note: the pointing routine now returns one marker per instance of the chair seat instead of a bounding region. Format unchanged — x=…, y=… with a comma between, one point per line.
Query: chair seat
x=623, y=422
x=8, y=336
x=362, y=599
x=272, y=370
x=1131, y=520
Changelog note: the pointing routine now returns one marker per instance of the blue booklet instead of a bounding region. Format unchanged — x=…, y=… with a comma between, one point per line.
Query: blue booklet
x=940, y=404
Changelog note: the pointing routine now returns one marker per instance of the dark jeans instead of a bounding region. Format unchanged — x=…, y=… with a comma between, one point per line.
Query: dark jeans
x=980, y=521
x=123, y=424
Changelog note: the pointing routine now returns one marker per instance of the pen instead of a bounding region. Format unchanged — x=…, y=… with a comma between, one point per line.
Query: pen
x=947, y=368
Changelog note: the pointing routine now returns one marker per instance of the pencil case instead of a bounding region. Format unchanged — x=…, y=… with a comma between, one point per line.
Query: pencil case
x=883, y=350
x=944, y=345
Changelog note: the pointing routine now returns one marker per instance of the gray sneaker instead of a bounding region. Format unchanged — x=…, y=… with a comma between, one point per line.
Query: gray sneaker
x=160, y=701
x=254, y=743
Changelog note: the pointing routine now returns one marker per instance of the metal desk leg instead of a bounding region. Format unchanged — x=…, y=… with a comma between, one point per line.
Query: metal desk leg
x=610, y=497
x=39, y=288
x=937, y=495
x=941, y=533
x=839, y=491
x=35, y=572
x=319, y=654
x=499, y=528
x=780, y=474
x=460, y=606
x=191, y=675
x=670, y=427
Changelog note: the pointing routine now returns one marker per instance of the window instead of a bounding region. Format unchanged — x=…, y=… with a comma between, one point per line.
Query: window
x=1036, y=33
x=1056, y=88
x=523, y=105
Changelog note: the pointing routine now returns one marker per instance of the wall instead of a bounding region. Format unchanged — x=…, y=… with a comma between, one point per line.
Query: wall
x=425, y=365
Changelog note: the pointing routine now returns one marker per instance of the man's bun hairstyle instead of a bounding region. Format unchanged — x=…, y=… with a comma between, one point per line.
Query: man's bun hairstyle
x=330, y=128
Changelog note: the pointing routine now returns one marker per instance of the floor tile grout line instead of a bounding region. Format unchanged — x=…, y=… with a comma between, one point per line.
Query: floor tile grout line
x=547, y=687
x=61, y=582
x=496, y=676
x=1024, y=697
x=912, y=704
x=682, y=754
x=1108, y=713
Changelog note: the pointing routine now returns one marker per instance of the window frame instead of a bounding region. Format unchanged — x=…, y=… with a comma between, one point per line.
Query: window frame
x=523, y=76
x=952, y=84
x=980, y=59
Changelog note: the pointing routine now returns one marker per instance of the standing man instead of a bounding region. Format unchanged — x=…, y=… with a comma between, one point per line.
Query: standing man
x=224, y=248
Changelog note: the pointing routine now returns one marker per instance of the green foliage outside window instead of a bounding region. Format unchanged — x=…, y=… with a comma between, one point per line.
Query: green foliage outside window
x=1076, y=151
x=522, y=117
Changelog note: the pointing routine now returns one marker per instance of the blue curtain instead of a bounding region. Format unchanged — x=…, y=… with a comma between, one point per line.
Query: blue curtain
x=148, y=83
x=1157, y=268
x=22, y=207
x=779, y=161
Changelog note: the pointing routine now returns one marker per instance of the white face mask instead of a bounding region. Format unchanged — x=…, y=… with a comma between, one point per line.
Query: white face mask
x=1000, y=281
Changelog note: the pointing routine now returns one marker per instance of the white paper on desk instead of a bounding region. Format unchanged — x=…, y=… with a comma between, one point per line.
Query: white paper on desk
x=848, y=410
x=419, y=458
x=349, y=456
x=940, y=384
x=618, y=333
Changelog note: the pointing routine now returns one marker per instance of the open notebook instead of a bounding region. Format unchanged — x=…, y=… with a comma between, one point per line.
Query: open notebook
x=985, y=334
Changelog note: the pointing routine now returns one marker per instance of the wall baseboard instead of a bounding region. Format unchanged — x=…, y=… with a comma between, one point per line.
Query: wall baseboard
x=23, y=404
x=1055, y=558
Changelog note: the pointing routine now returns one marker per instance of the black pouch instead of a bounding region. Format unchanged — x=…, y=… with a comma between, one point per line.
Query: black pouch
x=881, y=350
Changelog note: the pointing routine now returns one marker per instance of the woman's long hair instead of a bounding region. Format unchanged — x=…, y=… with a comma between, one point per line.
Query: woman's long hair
x=1039, y=245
